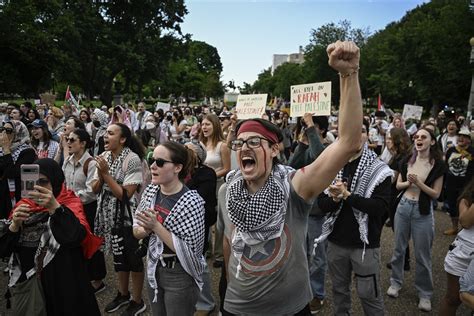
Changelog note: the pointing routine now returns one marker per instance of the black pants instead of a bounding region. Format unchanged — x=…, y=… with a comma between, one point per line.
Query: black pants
x=96, y=265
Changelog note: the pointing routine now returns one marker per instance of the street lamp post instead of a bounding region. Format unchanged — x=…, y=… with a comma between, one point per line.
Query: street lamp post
x=471, y=96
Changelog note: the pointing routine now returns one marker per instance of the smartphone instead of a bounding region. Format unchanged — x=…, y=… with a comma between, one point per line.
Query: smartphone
x=29, y=178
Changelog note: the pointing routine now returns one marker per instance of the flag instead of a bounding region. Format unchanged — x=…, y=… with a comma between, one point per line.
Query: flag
x=380, y=106
x=69, y=98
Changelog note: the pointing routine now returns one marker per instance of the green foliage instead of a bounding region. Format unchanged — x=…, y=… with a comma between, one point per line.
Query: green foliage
x=103, y=46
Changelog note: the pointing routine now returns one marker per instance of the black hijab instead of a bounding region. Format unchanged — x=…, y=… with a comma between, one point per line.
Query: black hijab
x=51, y=169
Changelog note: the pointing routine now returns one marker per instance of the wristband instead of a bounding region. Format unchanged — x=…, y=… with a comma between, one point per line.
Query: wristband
x=350, y=73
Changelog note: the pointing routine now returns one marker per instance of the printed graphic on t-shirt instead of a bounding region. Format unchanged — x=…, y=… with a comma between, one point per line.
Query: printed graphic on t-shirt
x=458, y=164
x=267, y=257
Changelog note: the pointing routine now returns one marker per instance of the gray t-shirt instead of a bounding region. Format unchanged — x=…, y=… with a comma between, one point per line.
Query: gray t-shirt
x=274, y=279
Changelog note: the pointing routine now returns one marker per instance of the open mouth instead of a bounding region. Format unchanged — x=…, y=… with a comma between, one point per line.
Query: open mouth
x=248, y=163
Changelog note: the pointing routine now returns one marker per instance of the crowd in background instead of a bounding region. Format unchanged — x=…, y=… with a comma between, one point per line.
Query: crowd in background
x=108, y=155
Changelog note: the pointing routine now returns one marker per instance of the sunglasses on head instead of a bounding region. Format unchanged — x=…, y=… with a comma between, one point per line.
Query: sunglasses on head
x=160, y=162
x=7, y=130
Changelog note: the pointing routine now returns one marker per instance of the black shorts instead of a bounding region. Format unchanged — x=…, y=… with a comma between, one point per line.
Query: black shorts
x=129, y=262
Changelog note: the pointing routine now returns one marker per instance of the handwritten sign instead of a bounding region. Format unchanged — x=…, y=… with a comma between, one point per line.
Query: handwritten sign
x=164, y=106
x=251, y=106
x=412, y=112
x=312, y=98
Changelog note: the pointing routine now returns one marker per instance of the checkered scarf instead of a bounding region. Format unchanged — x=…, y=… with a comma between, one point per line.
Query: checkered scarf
x=47, y=249
x=185, y=222
x=258, y=217
x=369, y=174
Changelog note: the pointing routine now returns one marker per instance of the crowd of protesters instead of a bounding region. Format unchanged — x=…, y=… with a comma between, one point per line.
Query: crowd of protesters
x=279, y=203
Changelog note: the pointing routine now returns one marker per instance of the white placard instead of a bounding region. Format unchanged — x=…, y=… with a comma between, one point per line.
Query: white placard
x=412, y=112
x=164, y=106
x=314, y=98
x=251, y=106
x=37, y=101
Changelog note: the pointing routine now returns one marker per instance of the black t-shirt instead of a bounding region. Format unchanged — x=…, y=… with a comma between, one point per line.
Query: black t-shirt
x=346, y=228
x=164, y=204
x=460, y=168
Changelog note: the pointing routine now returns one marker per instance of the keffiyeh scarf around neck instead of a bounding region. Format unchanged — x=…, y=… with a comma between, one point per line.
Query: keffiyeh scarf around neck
x=369, y=174
x=257, y=217
x=185, y=222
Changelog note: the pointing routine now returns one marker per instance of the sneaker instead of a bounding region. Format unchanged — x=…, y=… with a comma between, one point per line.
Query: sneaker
x=393, y=291
x=119, y=301
x=424, y=305
x=134, y=308
x=100, y=288
x=451, y=232
x=316, y=305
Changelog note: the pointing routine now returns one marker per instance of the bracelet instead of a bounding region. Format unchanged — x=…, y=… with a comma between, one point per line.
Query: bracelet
x=349, y=74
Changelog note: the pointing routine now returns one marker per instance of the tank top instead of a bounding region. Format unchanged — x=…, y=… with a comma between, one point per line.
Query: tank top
x=213, y=157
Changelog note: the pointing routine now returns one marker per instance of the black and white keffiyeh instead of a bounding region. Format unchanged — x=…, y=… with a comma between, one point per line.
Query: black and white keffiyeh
x=185, y=222
x=257, y=217
x=47, y=249
x=107, y=202
x=369, y=174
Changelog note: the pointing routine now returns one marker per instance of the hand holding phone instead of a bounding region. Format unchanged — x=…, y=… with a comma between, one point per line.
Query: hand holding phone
x=29, y=175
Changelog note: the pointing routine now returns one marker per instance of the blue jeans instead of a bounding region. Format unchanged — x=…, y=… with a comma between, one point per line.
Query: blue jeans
x=206, y=300
x=409, y=222
x=177, y=292
x=317, y=263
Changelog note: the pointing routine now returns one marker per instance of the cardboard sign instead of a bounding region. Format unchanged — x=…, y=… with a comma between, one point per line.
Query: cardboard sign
x=312, y=98
x=164, y=106
x=251, y=106
x=412, y=112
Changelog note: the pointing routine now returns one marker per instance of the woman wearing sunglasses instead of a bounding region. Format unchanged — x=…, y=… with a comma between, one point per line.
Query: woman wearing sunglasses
x=79, y=169
x=48, y=239
x=14, y=151
x=173, y=216
x=42, y=142
x=119, y=171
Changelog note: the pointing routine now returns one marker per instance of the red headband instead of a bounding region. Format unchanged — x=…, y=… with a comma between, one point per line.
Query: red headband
x=257, y=127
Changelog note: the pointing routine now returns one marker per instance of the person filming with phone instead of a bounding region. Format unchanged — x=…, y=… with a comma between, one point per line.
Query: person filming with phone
x=14, y=151
x=48, y=240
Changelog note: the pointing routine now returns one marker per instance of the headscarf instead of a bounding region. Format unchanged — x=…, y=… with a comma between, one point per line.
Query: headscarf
x=51, y=169
x=122, y=115
x=103, y=119
x=21, y=136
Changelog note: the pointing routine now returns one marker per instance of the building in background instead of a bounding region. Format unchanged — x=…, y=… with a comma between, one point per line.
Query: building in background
x=280, y=59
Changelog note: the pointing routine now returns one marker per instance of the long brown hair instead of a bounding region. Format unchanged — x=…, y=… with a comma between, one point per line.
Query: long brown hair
x=217, y=134
x=401, y=143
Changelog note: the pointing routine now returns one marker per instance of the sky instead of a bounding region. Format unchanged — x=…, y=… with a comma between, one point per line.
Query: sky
x=248, y=33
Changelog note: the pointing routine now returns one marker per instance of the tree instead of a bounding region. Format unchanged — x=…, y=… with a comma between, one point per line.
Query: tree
x=316, y=67
x=284, y=77
x=430, y=48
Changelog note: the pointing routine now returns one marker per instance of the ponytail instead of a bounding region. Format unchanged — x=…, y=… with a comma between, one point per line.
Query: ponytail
x=131, y=141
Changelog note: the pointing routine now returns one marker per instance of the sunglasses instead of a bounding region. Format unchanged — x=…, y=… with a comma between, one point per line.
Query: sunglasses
x=6, y=130
x=160, y=162
x=70, y=139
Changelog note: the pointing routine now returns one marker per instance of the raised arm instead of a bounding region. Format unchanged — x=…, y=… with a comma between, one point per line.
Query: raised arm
x=314, y=178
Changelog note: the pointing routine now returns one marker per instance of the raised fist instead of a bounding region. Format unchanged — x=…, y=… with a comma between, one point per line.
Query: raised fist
x=343, y=57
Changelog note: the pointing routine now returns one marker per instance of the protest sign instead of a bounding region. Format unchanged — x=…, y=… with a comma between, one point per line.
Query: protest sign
x=164, y=106
x=312, y=98
x=412, y=112
x=251, y=106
